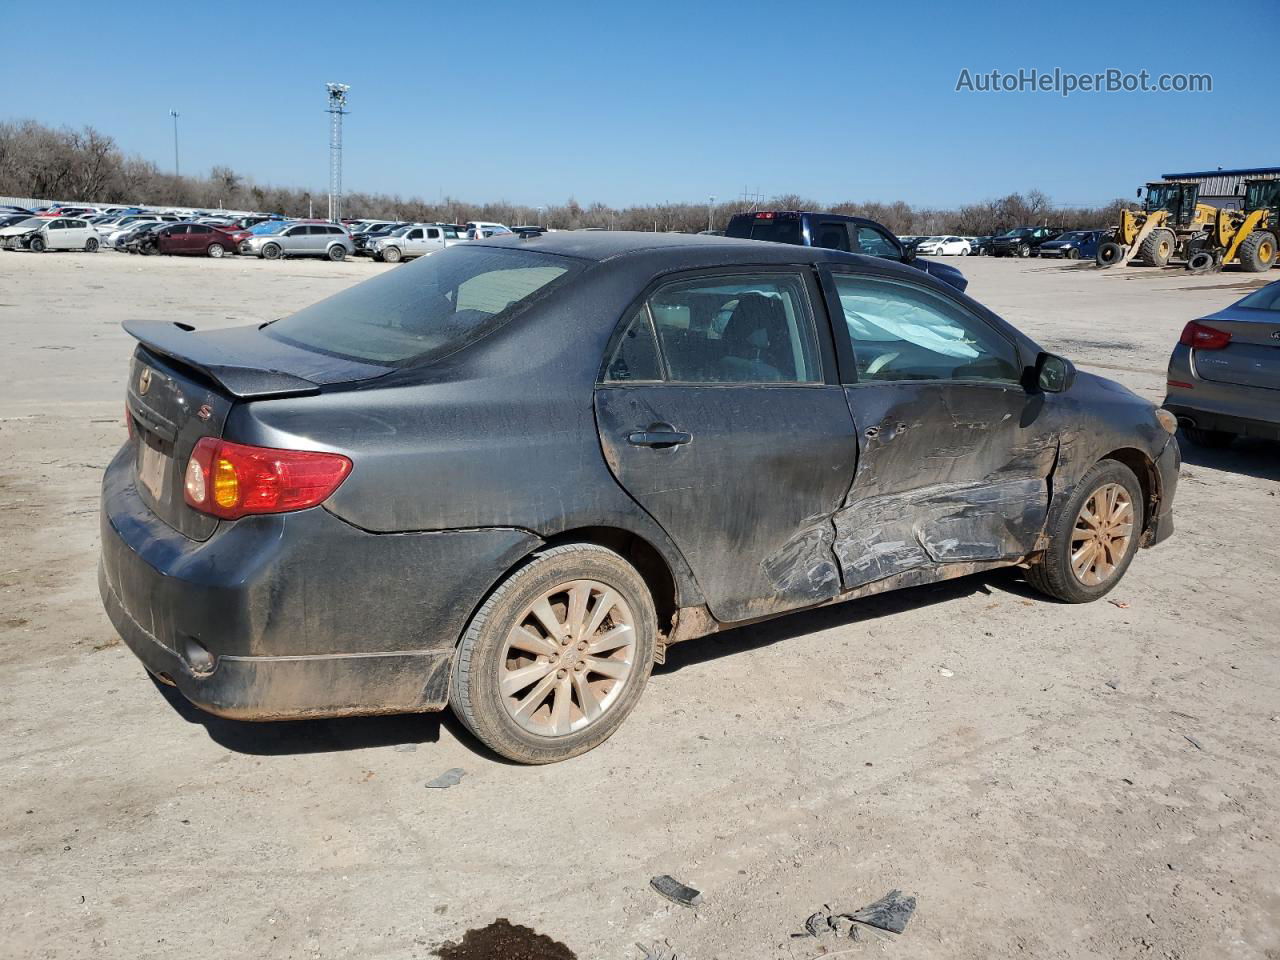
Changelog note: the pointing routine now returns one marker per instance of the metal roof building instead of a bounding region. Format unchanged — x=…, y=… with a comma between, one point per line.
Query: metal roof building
x=1225, y=188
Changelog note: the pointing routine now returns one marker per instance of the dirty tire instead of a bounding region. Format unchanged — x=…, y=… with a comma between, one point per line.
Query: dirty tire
x=337, y=253
x=1073, y=254
x=1051, y=574
x=217, y=251
x=1210, y=439
x=91, y=245
x=391, y=255
x=1201, y=262
x=1258, y=251
x=36, y=245
x=474, y=694
x=1109, y=254
x=271, y=251
x=1157, y=248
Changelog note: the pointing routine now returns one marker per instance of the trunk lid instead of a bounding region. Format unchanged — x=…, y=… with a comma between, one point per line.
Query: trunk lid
x=183, y=386
x=1252, y=358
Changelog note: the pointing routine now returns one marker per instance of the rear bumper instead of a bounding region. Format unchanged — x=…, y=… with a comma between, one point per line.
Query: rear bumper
x=1231, y=423
x=298, y=614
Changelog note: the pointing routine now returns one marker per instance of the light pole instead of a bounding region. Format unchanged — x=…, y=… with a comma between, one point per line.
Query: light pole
x=711, y=203
x=540, y=210
x=174, y=114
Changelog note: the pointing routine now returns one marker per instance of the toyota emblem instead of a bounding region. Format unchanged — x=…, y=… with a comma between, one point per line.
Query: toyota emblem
x=144, y=381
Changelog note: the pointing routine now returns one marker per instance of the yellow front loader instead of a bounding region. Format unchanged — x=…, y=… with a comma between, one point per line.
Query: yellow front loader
x=1164, y=229
x=1243, y=236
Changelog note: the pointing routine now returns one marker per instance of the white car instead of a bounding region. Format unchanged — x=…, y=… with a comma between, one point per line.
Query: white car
x=944, y=247
x=52, y=233
x=415, y=240
x=480, y=229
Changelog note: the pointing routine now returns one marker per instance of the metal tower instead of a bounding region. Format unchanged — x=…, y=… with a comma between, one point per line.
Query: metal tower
x=337, y=110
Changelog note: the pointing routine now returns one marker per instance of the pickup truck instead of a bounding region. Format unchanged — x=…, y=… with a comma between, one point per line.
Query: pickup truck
x=836, y=232
x=414, y=240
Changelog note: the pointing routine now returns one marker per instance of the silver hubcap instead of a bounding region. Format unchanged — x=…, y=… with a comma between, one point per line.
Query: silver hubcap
x=568, y=658
x=1101, y=536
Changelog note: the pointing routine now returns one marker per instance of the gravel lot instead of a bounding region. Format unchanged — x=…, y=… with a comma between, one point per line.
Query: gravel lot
x=959, y=741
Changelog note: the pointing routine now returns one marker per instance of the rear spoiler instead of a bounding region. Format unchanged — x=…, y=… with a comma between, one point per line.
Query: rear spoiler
x=245, y=362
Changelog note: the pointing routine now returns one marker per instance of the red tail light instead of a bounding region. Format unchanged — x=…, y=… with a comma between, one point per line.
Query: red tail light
x=1203, y=338
x=231, y=480
x=764, y=216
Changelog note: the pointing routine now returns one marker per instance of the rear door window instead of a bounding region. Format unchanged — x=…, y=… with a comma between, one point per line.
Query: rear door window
x=738, y=329
x=635, y=357
x=831, y=235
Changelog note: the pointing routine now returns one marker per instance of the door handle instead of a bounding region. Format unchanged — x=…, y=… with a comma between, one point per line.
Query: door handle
x=658, y=438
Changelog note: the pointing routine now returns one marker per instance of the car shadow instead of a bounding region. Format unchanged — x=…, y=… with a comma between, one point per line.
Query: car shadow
x=1247, y=456
x=789, y=626
x=290, y=737
x=284, y=737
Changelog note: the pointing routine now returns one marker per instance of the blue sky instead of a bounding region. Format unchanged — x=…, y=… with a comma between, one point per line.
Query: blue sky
x=630, y=103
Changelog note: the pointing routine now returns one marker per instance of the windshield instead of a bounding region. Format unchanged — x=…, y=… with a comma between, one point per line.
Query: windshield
x=1071, y=236
x=427, y=310
x=1162, y=197
x=400, y=231
x=31, y=222
x=1262, y=195
x=1268, y=298
x=1018, y=232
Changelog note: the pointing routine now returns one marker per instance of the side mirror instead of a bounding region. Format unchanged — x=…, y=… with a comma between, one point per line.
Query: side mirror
x=908, y=254
x=1054, y=374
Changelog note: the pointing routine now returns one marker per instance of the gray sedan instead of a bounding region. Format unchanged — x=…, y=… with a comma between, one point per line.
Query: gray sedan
x=301, y=240
x=1224, y=374
x=505, y=478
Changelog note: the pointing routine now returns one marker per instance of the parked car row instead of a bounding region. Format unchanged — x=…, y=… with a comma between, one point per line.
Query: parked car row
x=266, y=236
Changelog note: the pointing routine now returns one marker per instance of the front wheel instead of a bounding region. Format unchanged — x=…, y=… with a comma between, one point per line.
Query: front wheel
x=1073, y=254
x=271, y=251
x=91, y=245
x=391, y=254
x=1095, y=537
x=557, y=657
x=1258, y=251
x=36, y=245
x=217, y=251
x=1024, y=251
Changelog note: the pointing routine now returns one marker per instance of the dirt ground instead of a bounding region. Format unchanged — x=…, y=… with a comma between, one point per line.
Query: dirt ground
x=960, y=742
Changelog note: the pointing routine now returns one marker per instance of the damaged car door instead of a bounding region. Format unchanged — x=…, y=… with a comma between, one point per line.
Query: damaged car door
x=716, y=416
x=955, y=454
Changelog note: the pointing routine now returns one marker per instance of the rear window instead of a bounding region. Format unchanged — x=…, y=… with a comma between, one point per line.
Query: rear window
x=429, y=309
x=1268, y=298
x=775, y=229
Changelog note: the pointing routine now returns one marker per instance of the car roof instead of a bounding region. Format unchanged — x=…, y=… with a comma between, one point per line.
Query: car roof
x=600, y=245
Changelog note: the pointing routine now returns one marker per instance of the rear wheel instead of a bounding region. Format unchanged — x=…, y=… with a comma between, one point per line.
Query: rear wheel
x=1258, y=251
x=91, y=245
x=337, y=252
x=217, y=251
x=1109, y=254
x=1157, y=248
x=36, y=245
x=271, y=251
x=1094, y=538
x=1212, y=439
x=557, y=657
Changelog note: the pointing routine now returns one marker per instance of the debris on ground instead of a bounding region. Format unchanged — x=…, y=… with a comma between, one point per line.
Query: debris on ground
x=824, y=921
x=891, y=912
x=450, y=778
x=1192, y=740
x=507, y=940
x=946, y=673
x=1113, y=684
x=676, y=891
x=659, y=951
x=1122, y=604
